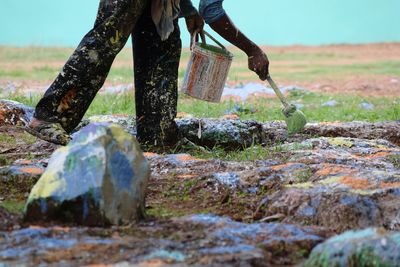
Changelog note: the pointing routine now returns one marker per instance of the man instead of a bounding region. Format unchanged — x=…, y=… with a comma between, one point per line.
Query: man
x=156, y=47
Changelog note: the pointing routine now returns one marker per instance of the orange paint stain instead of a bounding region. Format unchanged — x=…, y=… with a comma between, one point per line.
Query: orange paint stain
x=389, y=185
x=378, y=155
x=187, y=158
x=121, y=115
x=355, y=183
x=333, y=123
x=150, y=154
x=282, y=166
x=231, y=117
x=63, y=229
x=25, y=161
x=186, y=176
x=153, y=263
x=182, y=115
x=67, y=100
x=36, y=227
x=32, y=170
x=333, y=169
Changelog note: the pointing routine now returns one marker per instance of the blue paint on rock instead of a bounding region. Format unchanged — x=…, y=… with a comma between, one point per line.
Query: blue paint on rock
x=121, y=171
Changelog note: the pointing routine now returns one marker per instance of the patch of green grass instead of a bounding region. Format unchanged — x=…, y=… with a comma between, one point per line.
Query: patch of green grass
x=348, y=108
x=113, y=104
x=4, y=161
x=163, y=211
x=13, y=206
x=27, y=54
x=304, y=175
x=6, y=139
x=28, y=138
x=395, y=159
x=38, y=73
x=253, y=153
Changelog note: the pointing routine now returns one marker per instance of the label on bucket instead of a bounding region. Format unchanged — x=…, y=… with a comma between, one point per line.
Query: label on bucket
x=207, y=72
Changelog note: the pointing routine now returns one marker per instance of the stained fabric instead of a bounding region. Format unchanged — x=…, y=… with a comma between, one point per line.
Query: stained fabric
x=156, y=64
x=156, y=69
x=163, y=13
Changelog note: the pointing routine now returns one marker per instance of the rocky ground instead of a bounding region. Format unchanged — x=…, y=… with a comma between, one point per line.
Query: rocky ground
x=333, y=178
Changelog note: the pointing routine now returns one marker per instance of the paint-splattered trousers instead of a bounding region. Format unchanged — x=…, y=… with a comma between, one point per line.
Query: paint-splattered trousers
x=156, y=65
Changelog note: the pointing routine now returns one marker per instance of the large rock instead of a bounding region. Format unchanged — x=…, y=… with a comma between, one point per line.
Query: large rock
x=389, y=130
x=98, y=179
x=229, y=134
x=369, y=247
x=340, y=183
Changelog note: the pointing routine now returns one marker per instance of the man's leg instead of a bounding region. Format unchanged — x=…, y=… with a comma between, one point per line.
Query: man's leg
x=70, y=95
x=156, y=76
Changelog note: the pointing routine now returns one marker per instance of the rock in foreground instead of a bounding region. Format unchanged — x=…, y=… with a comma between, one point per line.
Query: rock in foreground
x=371, y=247
x=197, y=240
x=98, y=179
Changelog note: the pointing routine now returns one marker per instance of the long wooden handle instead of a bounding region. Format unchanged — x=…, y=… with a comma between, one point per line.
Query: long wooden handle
x=277, y=91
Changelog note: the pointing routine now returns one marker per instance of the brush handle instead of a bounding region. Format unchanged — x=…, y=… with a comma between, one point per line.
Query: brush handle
x=278, y=92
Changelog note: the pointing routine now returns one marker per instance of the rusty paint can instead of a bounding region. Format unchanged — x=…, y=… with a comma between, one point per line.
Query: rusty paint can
x=207, y=71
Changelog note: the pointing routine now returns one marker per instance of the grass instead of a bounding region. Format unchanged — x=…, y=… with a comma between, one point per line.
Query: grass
x=395, y=159
x=7, y=139
x=347, y=109
x=239, y=73
x=13, y=206
x=4, y=160
x=289, y=66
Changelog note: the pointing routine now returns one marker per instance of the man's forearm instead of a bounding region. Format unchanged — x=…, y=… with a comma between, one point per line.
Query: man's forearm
x=215, y=15
x=225, y=27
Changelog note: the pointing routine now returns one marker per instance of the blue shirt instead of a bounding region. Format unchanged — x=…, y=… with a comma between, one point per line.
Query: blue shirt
x=210, y=10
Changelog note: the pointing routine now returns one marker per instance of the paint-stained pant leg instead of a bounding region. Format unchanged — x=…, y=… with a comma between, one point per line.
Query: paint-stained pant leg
x=70, y=95
x=156, y=65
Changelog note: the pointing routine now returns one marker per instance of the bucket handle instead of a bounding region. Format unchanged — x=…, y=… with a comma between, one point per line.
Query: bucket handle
x=203, y=39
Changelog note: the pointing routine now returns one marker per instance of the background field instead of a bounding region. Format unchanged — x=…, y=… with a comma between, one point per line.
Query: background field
x=349, y=74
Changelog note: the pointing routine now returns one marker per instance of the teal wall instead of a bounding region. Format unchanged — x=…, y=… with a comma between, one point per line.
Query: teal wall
x=278, y=22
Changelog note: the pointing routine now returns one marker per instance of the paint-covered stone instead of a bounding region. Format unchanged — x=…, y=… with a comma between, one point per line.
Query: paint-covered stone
x=14, y=113
x=229, y=134
x=233, y=133
x=339, y=183
x=370, y=247
x=98, y=179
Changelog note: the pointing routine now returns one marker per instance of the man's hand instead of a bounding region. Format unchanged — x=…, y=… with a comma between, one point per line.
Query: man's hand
x=259, y=63
x=195, y=24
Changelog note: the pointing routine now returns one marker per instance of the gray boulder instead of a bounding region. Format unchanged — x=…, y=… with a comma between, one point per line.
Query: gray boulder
x=98, y=179
x=369, y=247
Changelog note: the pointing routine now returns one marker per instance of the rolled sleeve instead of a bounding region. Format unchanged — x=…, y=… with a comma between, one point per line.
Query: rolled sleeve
x=211, y=10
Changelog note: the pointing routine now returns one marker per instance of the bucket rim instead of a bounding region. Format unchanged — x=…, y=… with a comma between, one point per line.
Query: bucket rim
x=199, y=47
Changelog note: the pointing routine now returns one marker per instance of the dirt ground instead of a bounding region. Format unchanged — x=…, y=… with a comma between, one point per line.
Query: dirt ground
x=343, y=55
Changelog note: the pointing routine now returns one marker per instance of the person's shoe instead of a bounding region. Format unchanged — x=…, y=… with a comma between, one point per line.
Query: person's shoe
x=50, y=132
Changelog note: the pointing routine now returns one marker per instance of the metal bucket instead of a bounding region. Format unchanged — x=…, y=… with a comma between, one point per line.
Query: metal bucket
x=207, y=71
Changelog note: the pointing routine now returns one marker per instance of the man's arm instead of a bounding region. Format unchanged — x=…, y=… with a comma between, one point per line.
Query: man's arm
x=214, y=15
